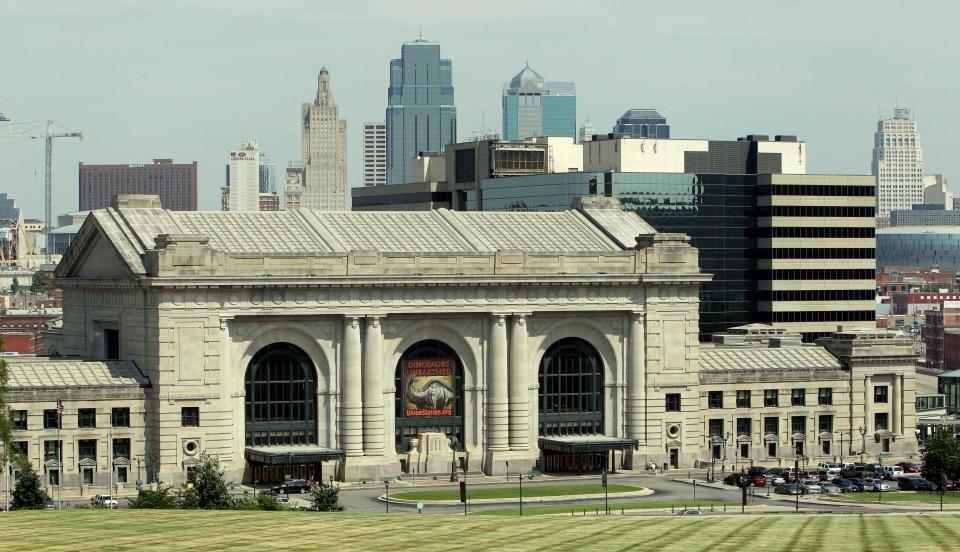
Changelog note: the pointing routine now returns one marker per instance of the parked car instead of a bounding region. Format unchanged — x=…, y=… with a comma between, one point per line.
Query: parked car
x=892, y=472
x=50, y=504
x=910, y=484
x=732, y=479
x=830, y=488
x=811, y=486
x=294, y=486
x=828, y=469
x=790, y=489
x=280, y=497
x=924, y=484
x=847, y=486
x=104, y=501
x=758, y=480
x=690, y=512
x=758, y=470
x=776, y=480
x=909, y=467
x=874, y=485
x=952, y=486
x=865, y=484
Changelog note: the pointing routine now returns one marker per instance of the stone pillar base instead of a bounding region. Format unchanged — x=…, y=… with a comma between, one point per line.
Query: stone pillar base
x=368, y=467
x=523, y=461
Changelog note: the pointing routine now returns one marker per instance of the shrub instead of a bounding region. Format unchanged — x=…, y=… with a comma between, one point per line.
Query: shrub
x=326, y=498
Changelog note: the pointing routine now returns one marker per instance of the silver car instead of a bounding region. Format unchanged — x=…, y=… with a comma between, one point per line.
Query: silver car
x=811, y=486
x=830, y=488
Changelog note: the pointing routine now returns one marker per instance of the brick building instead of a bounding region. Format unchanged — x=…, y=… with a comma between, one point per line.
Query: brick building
x=175, y=183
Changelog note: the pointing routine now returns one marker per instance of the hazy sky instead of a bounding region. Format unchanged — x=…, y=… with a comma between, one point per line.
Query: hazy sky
x=190, y=80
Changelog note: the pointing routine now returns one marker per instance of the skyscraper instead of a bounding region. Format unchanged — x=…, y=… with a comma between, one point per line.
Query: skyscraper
x=897, y=164
x=324, y=151
x=420, y=112
x=533, y=107
x=244, y=178
x=642, y=123
x=374, y=153
x=175, y=183
x=268, y=175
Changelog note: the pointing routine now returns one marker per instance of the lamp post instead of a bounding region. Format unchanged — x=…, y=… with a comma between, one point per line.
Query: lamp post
x=387, y=501
x=140, y=481
x=863, y=442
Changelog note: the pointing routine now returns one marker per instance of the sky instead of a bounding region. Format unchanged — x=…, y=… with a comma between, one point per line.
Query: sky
x=191, y=80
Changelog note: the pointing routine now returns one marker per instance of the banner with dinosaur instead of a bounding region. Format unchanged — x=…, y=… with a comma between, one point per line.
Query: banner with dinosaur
x=428, y=387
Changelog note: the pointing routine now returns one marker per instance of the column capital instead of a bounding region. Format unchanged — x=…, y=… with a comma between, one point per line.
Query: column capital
x=352, y=319
x=374, y=319
x=520, y=317
x=637, y=315
x=499, y=317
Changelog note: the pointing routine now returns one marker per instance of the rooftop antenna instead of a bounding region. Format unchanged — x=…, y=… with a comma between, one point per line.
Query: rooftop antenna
x=421, y=32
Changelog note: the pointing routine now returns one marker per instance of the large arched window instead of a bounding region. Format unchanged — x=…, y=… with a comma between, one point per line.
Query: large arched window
x=571, y=389
x=281, y=397
x=429, y=398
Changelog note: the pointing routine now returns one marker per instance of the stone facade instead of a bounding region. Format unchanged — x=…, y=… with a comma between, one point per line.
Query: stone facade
x=196, y=299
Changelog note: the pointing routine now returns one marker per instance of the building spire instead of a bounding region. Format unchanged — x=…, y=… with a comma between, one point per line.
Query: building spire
x=324, y=96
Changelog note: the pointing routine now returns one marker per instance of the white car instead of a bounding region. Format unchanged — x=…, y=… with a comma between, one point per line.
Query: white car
x=104, y=500
x=892, y=472
x=828, y=469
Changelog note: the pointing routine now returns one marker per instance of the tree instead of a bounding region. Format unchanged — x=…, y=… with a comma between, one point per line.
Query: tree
x=6, y=435
x=326, y=498
x=40, y=282
x=28, y=495
x=15, y=286
x=941, y=457
x=160, y=499
x=209, y=487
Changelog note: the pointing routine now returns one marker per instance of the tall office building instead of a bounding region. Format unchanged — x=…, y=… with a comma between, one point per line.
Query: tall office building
x=897, y=164
x=268, y=175
x=324, y=151
x=420, y=112
x=642, y=123
x=533, y=107
x=244, y=178
x=374, y=153
x=175, y=183
x=586, y=132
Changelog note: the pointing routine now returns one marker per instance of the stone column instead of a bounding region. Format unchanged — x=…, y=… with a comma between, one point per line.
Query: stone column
x=373, y=388
x=519, y=388
x=895, y=389
x=867, y=422
x=351, y=393
x=497, y=395
x=636, y=391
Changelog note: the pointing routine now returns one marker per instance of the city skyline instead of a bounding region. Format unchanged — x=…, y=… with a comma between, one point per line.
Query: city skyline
x=197, y=117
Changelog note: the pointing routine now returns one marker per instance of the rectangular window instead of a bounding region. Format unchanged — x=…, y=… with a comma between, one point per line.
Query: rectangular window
x=190, y=416
x=715, y=399
x=743, y=398
x=673, y=402
x=772, y=450
x=771, y=425
x=743, y=426
x=54, y=477
x=798, y=397
x=50, y=419
x=87, y=449
x=716, y=427
x=880, y=394
x=87, y=417
x=798, y=424
x=826, y=447
x=19, y=448
x=826, y=423
x=111, y=344
x=825, y=396
x=19, y=419
x=880, y=421
x=50, y=451
x=121, y=448
x=120, y=417
x=121, y=474
x=771, y=397
x=88, y=476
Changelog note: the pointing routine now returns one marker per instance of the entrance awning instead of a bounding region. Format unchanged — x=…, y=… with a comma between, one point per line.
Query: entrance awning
x=585, y=443
x=292, y=455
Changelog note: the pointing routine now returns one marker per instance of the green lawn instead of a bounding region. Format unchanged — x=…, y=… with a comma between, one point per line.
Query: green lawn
x=185, y=530
x=933, y=498
x=615, y=508
x=532, y=491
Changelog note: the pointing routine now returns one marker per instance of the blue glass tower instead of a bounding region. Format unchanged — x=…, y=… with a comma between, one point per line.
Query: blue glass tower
x=420, y=114
x=642, y=123
x=533, y=107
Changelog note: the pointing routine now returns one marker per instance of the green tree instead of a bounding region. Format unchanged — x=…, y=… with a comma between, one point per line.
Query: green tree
x=15, y=286
x=160, y=499
x=6, y=443
x=326, y=498
x=262, y=501
x=941, y=457
x=40, y=282
x=209, y=486
x=28, y=495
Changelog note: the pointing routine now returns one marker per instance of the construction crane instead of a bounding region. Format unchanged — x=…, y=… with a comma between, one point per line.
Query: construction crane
x=48, y=131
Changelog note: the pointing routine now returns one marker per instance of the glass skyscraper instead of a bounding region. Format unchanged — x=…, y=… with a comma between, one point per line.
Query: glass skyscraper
x=420, y=114
x=533, y=107
x=642, y=123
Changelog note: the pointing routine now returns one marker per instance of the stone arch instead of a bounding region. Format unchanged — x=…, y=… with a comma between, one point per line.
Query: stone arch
x=589, y=331
x=280, y=397
x=438, y=330
x=284, y=332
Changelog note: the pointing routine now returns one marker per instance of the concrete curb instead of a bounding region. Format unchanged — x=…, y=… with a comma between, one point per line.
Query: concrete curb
x=526, y=500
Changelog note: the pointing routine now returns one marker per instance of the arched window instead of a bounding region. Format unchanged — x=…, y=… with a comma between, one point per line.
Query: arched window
x=571, y=389
x=429, y=397
x=281, y=397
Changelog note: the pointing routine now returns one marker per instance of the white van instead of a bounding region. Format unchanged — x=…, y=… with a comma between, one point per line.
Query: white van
x=892, y=472
x=828, y=470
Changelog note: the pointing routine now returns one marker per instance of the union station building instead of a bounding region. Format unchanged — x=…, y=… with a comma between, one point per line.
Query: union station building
x=361, y=345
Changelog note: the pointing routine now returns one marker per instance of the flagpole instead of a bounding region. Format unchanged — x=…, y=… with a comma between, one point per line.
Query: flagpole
x=59, y=455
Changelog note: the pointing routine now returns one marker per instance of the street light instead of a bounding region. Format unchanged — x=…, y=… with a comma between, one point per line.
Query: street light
x=863, y=442
x=386, y=484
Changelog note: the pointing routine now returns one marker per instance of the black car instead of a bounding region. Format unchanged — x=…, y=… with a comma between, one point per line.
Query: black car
x=915, y=484
x=294, y=486
x=732, y=479
x=847, y=486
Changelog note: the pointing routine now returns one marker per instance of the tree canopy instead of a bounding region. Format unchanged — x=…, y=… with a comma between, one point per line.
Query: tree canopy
x=5, y=423
x=941, y=457
x=28, y=494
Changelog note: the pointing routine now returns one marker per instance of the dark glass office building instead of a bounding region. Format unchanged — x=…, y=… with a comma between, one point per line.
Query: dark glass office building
x=642, y=123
